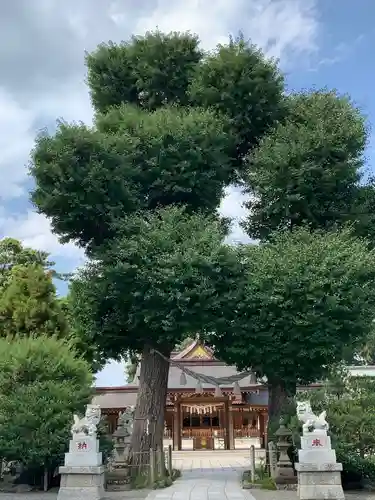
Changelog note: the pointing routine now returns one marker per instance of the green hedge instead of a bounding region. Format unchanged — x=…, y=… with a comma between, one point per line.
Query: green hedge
x=358, y=472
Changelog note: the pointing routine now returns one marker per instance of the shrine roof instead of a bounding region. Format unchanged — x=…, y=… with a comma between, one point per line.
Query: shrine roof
x=217, y=370
x=196, y=351
x=114, y=397
x=197, y=357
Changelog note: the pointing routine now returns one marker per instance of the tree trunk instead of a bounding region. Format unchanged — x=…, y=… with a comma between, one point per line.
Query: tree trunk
x=277, y=401
x=148, y=429
x=45, y=479
x=277, y=398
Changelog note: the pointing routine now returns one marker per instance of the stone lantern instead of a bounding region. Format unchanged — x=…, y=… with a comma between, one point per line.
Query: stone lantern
x=284, y=468
x=118, y=476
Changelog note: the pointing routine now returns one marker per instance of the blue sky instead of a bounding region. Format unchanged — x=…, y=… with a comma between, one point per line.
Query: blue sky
x=321, y=43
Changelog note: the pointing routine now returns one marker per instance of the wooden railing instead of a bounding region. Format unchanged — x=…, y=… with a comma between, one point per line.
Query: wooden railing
x=199, y=432
x=190, y=432
x=246, y=432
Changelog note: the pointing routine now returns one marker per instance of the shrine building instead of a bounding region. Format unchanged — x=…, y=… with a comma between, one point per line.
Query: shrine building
x=234, y=419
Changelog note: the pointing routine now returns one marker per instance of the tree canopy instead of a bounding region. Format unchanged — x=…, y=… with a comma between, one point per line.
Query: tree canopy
x=149, y=71
x=306, y=171
x=12, y=253
x=78, y=333
x=42, y=383
x=145, y=151
x=163, y=277
x=240, y=83
x=305, y=297
x=89, y=179
x=29, y=305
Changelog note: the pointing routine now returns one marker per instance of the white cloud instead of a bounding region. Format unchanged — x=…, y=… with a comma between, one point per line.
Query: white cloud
x=34, y=231
x=233, y=206
x=285, y=28
x=212, y=21
x=280, y=27
x=16, y=140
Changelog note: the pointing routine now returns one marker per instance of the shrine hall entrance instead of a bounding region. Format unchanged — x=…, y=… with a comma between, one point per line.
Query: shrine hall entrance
x=204, y=426
x=214, y=424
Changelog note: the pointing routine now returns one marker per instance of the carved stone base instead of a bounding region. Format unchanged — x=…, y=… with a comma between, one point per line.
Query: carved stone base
x=285, y=475
x=118, y=479
x=81, y=483
x=319, y=481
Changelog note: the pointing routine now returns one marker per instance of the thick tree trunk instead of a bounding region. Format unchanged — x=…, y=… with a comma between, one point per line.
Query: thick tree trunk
x=277, y=400
x=148, y=426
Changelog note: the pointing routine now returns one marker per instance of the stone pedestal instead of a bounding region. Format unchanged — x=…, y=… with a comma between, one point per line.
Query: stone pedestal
x=319, y=475
x=82, y=476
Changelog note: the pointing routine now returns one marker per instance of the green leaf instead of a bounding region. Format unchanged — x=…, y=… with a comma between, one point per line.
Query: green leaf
x=304, y=297
x=166, y=275
x=306, y=172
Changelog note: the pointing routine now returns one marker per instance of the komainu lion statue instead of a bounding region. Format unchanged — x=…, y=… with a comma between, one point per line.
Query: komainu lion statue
x=311, y=422
x=88, y=424
x=126, y=419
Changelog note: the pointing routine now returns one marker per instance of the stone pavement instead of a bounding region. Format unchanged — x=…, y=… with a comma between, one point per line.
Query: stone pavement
x=214, y=494
x=207, y=476
x=52, y=495
x=216, y=476
x=290, y=495
x=221, y=484
x=188, y=461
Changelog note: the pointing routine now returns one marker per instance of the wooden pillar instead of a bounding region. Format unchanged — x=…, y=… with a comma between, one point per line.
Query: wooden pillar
x=177, y=426
x=263, y=429
x=265, y=418
x=230, y=427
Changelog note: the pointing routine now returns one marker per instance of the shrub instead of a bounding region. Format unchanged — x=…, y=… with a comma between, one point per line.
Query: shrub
x=42, y=383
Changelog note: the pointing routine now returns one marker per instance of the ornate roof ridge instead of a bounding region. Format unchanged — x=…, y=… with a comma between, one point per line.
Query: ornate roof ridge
x=181, y=356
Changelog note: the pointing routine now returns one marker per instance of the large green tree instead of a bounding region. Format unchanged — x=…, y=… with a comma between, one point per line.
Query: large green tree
x=29, y=305
x=42, y=383
x=307, y=171
x=13, y=253
x=305, y=296
x=152, y=145
x=167, y=274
